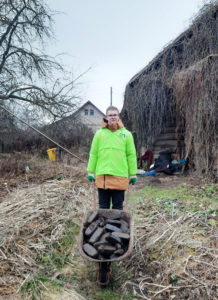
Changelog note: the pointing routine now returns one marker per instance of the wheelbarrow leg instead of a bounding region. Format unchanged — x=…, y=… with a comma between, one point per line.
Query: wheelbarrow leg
x=104, y=274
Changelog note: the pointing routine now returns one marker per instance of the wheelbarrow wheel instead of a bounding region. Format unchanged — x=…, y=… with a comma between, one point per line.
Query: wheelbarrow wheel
x=104, y=274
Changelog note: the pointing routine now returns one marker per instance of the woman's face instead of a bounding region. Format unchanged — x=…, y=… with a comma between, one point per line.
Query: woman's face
x=112, y=117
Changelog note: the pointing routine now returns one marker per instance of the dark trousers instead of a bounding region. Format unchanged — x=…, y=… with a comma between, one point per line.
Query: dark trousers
x=105, y=197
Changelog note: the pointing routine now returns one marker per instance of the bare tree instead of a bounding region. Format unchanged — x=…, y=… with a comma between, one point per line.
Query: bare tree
x=28, y=76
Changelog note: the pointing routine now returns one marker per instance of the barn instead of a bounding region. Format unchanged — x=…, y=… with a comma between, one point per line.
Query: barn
x=171, y=104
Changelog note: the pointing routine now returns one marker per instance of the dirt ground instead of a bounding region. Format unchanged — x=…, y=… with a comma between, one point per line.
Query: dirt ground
x=20, y=172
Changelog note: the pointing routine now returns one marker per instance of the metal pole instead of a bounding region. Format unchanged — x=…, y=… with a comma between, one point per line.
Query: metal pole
x=111, y=95
x=45, y=136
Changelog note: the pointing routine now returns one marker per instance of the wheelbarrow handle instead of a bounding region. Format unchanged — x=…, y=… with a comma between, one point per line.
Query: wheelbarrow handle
x=127, y=199
x=94, y=196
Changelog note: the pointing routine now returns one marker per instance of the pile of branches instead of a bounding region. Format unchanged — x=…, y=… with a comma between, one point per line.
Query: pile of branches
x=195, y=91
x=150, y=99
x=174, y=256
x=30, y=222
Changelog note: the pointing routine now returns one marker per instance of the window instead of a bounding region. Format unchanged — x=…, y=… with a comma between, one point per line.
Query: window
x=91, y=112
x=86, y=112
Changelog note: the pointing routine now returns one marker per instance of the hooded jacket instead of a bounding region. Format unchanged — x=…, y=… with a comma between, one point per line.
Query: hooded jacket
x=112, y=157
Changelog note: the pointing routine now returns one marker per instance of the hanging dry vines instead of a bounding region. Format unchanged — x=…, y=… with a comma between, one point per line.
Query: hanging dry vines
x=150, y=100
x=196, y=91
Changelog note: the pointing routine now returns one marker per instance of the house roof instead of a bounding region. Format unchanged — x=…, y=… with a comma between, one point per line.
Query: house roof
x=207, y=9
x=89, y=102
x=74, y=114
x=160, y=54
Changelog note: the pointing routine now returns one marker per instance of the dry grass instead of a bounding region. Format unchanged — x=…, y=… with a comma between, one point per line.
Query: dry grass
x=175, y=254
x=67, y=294
x=31, y=220
x=14, y=175
x=174, y=257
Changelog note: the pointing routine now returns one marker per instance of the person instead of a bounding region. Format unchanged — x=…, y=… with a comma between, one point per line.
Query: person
x=147, y=155
x=112, y=160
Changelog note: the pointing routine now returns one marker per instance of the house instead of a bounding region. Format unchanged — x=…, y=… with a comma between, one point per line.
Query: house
x=83, y=122
x=89, y=115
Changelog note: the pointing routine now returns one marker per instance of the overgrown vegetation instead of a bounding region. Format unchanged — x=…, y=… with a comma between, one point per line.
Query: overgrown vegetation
x=23, y=166
x=174, y=254
x=71, y=134
x=175, y=249
x=179, y=87
x=195, y=93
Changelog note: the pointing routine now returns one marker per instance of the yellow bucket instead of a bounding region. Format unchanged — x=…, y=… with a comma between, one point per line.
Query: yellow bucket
x=52, y=154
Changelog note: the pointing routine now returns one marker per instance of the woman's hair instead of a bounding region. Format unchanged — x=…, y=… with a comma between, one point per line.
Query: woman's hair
x=112, y=108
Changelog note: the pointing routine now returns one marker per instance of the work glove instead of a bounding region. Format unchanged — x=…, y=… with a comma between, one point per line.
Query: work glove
x=132, y=180
x=91, y=177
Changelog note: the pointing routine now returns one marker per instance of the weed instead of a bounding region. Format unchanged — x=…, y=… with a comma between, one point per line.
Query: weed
x=34, y=286
x=193, y=199
x=210, y=190
x=55, y=261
x=212, y=222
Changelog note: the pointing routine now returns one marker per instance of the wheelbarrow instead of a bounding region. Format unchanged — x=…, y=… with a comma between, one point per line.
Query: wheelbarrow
x=104, y=264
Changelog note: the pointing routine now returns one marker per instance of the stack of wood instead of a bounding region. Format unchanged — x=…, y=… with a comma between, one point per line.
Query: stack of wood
x=105, y=237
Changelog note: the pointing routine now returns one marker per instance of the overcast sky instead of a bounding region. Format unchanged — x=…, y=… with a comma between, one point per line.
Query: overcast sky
x=116, y=38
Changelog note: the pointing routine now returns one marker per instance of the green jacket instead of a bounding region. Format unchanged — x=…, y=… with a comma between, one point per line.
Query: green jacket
x=113, y=153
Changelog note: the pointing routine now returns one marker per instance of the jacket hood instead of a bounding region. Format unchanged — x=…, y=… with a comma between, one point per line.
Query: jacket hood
x=105, y=124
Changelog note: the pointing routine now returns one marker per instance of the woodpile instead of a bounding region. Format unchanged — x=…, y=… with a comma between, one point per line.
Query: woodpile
x=106, y=238
x=106, y=235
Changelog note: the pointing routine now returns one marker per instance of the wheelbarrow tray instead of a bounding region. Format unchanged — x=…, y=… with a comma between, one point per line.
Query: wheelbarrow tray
x=107, y=213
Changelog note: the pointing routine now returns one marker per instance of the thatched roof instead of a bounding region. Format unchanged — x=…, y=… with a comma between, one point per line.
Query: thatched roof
x=151, y=97
x=199, y=40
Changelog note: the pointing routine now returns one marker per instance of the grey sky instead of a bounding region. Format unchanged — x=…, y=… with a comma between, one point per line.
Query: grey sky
x=117, y=38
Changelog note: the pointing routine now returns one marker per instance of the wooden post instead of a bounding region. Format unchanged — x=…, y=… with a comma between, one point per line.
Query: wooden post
x=111, y=96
